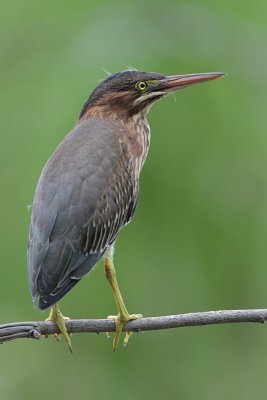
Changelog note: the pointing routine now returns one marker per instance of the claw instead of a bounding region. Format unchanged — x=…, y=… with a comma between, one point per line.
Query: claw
x=57, y=317
x=127, y=337
x=120, y=322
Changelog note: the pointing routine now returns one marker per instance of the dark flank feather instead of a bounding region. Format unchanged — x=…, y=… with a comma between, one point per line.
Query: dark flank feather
x=80, y=209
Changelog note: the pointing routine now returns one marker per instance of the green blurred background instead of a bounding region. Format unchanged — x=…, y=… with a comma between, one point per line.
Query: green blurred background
x=198, y=240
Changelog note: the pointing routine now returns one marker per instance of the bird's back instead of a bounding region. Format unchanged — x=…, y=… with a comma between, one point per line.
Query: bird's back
x=86, y=192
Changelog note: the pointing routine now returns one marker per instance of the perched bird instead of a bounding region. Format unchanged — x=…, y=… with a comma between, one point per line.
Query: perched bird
x=88, y=189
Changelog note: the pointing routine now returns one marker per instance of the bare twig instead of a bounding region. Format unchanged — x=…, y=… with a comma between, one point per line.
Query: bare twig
x=35, y=329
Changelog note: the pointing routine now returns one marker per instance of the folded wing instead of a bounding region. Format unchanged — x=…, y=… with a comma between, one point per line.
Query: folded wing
x=85, y=195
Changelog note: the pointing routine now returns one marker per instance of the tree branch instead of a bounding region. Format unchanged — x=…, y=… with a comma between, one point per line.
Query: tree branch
x=35, y=329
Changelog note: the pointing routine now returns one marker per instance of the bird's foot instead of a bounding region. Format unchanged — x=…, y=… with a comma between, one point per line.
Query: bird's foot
x=120, y=320
x=57, y=317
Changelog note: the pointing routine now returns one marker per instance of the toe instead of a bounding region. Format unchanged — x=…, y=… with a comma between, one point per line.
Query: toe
x=119, y=326
x=120, y=320
x=135, y=316
x=127, y=337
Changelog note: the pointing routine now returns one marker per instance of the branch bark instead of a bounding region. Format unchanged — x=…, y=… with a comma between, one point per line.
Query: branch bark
x=36, y=329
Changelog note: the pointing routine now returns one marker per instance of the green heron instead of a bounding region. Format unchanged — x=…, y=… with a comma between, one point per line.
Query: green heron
x=88, y=189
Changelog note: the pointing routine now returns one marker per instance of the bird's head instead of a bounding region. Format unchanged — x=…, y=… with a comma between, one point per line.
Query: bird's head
x=127, y=93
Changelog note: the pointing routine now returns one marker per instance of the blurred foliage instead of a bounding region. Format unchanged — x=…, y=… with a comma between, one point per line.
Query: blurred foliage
x=198, y=240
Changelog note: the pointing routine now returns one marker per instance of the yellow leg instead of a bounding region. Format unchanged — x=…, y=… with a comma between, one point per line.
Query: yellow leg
x=56, y=316
x=123, y=315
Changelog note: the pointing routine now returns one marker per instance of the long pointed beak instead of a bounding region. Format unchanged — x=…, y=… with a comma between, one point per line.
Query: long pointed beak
x=175, y=82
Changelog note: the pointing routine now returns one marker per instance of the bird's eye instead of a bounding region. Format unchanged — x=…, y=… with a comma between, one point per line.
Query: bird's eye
x=141, y=86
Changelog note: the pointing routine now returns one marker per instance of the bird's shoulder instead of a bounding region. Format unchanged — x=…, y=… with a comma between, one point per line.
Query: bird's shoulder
x=87, y=159
x=89, y=140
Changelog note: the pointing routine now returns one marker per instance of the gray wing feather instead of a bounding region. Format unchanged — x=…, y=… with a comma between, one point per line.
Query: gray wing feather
x=85, y=194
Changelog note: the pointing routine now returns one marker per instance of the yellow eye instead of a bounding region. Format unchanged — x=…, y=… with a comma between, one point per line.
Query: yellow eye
x=141, y=86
